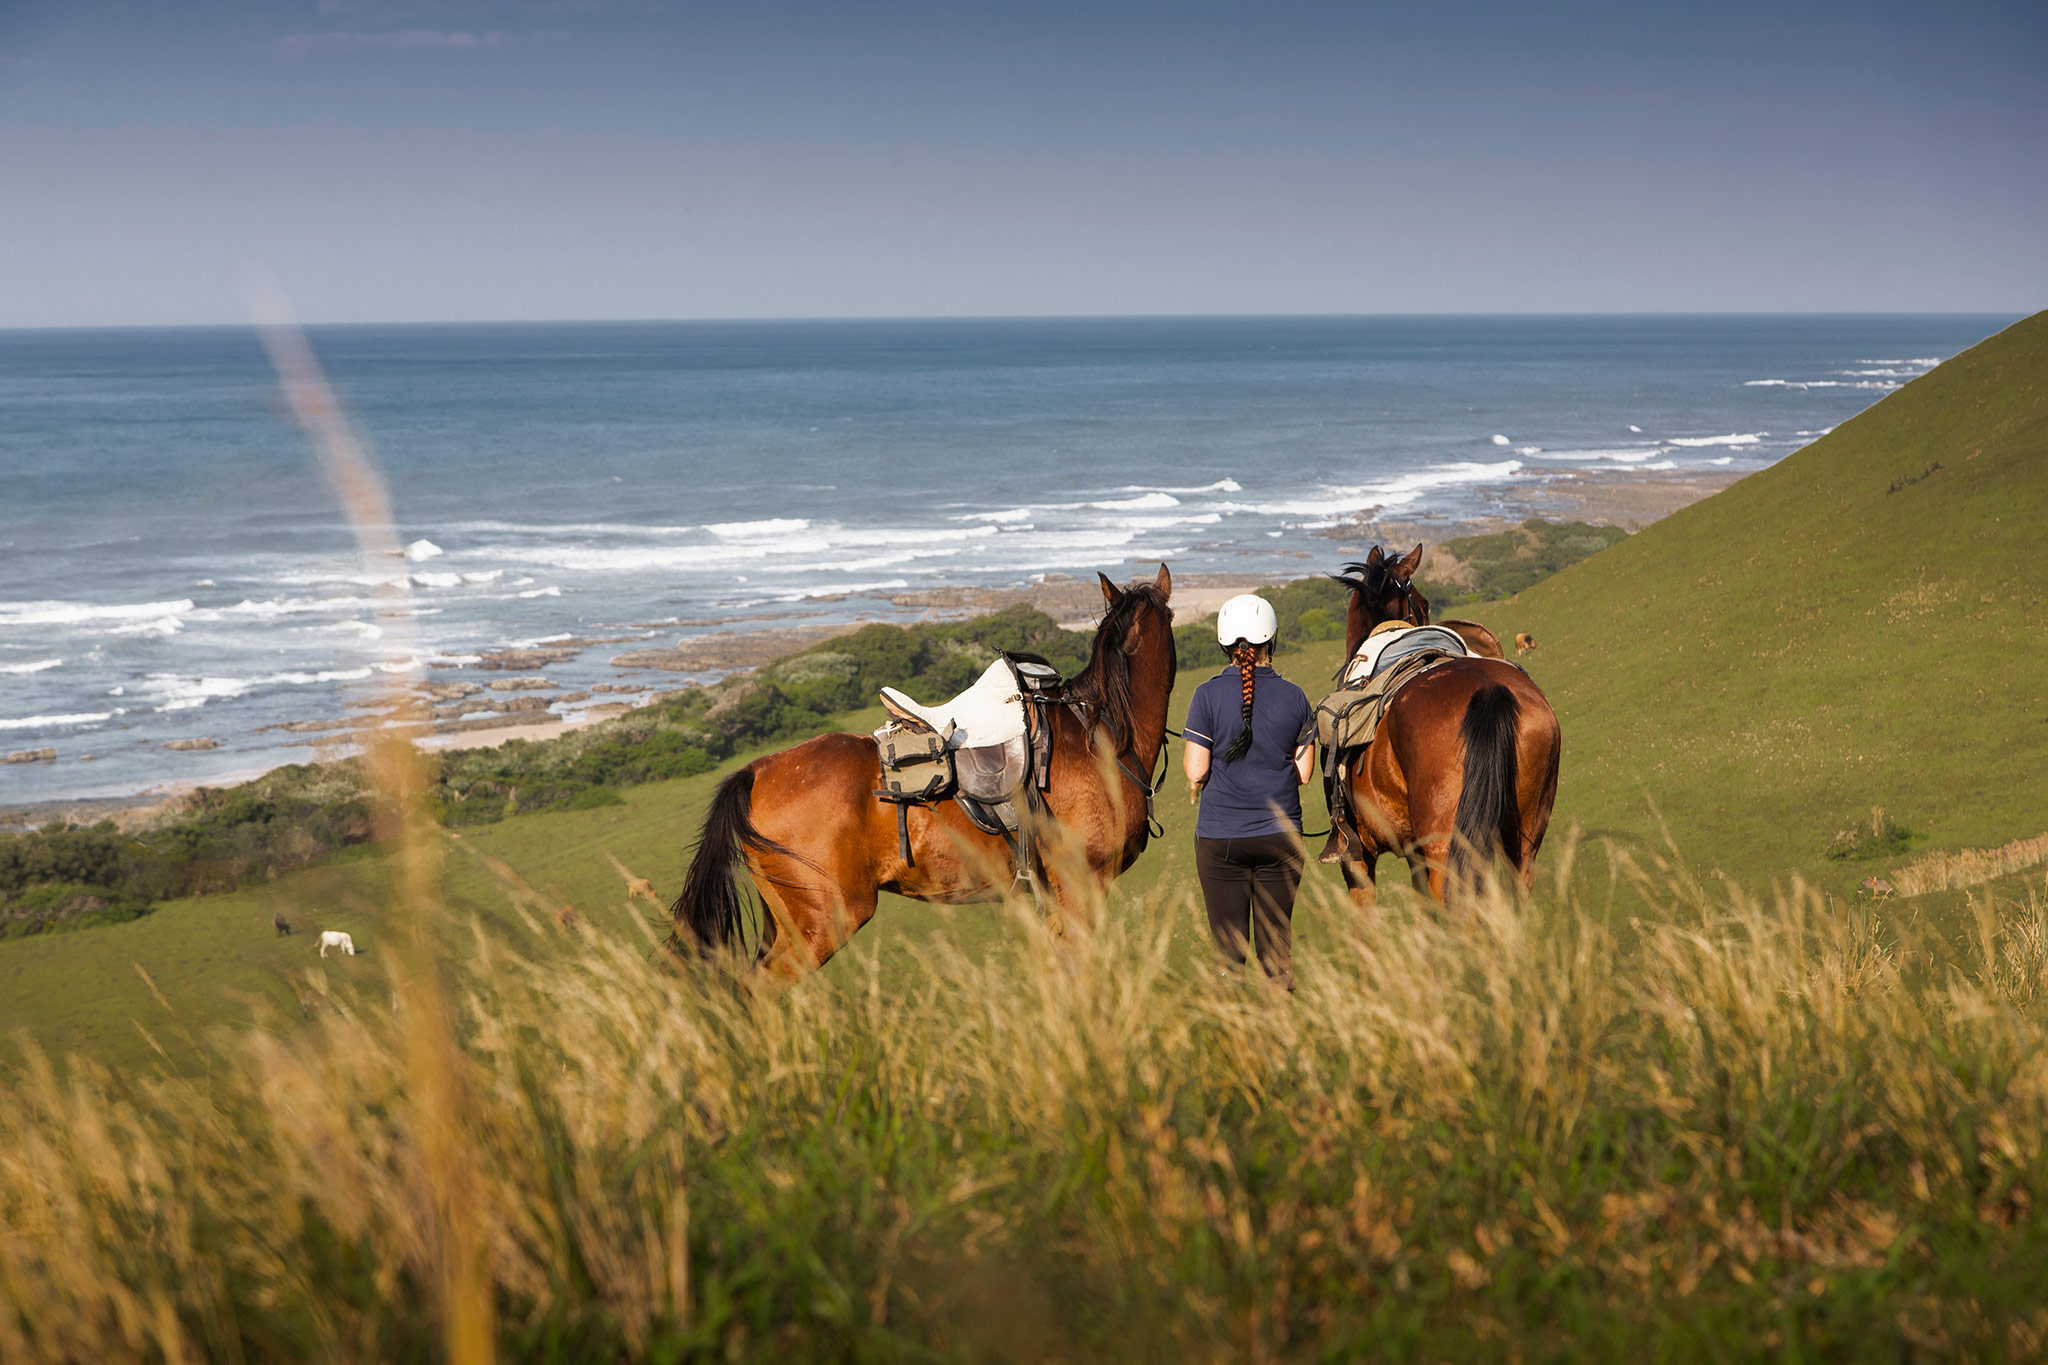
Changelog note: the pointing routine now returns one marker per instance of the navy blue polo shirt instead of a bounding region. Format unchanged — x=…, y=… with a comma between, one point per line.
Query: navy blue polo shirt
x=1241, y=798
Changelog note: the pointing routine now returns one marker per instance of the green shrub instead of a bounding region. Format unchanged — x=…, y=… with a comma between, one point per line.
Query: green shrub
x=1506, y=562
x=61, y=906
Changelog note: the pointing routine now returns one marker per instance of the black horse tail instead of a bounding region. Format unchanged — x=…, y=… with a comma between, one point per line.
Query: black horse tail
x=1489, y=821
x=715, y=896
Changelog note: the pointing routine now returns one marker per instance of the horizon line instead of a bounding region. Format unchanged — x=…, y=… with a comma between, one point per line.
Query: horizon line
x=854, y=318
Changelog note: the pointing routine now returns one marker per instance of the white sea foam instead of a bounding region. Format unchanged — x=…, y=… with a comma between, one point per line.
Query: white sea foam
x=1723, y=459
x=39, y=666
x=1498, y=439
x=1528, y=450
x=486, y=576
x=817, y=541
x=754, y=530
x=163, y=625
x=551, y=590
x=1007, y=515
x=1636, y=429
x=1161, y=523
x=1884, y=384
x=1399, y=491
x=81, y=613
x=837, y=589
x=437, y=580
x=38, y=722
x=269, y=607
x=571, y=528
x=1747, y=438
x=421, y=549
x=1618, y=454
x=1220, y=486
x=1142, y=501
x=1917, y=360
x=1661, y=464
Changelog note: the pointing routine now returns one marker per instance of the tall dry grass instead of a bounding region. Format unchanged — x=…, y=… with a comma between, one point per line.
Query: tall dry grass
x=1969, y=867
x=1754, y=1125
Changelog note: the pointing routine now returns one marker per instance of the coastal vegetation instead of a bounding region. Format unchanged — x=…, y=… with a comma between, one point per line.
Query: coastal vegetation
x=1758, y=1067
x=1500, y=564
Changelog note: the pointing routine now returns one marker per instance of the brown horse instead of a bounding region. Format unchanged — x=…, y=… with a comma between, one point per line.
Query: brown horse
x=1383, y=589
x=804, y=827
x=1463, y=769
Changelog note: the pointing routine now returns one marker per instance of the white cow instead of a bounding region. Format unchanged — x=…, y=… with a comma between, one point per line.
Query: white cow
x=335, y=938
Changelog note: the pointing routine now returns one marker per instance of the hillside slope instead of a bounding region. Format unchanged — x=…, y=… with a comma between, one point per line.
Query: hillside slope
x=1863, y=624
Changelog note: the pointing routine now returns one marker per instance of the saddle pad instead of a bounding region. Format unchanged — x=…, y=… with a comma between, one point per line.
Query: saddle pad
x=1380, y=649
x=990, y=712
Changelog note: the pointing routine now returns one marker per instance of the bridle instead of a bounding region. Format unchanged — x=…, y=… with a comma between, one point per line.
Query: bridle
x=1414, y=609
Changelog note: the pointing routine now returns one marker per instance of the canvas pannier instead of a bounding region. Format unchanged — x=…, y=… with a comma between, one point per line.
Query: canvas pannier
x=917, y=764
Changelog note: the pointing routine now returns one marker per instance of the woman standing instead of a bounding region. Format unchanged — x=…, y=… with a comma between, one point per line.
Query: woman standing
x=1249, y=750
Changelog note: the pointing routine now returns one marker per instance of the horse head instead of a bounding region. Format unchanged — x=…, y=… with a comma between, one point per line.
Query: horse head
x=1382, y=589
x=1133, y=661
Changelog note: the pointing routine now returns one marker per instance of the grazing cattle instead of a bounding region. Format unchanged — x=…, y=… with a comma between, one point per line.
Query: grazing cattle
x=335, y=938
x=1524, y=642
x=282, y=925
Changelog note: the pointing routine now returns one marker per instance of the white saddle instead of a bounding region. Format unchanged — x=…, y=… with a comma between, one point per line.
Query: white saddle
x=990, y=712
x=1383, y=647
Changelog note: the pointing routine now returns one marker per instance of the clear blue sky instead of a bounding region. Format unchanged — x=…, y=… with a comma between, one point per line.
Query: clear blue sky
x=505, y=159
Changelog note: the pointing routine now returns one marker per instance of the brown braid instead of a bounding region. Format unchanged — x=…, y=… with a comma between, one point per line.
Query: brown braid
x=1246, y=656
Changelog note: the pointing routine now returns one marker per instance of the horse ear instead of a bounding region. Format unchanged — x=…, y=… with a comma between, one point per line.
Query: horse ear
x=1410, y=562
x=1110, y=592
x=1164, y=582
x=1372, y=561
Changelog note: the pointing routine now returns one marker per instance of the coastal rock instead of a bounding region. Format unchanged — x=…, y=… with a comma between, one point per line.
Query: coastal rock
x=571, y=696
x=520, y=704
x=465, y=708
x=31, y=756
x=188, y=744
x=518, y=684
x=450, y=691
x=520, y=660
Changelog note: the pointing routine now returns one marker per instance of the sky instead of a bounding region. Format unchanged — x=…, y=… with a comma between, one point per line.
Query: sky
x=446, y=160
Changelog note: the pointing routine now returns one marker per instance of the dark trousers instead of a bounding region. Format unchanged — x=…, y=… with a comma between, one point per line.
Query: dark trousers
x=1251, y=882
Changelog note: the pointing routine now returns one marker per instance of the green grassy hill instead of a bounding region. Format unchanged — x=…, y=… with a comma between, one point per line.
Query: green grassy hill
x=1863, y=624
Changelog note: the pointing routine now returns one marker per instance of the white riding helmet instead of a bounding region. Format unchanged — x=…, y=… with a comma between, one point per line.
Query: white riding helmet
x=1246, y=617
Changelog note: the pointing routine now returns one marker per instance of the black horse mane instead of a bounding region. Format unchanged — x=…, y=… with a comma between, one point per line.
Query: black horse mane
x=1104, y=686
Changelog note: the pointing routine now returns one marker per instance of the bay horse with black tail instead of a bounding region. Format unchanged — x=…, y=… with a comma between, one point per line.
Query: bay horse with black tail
x=1383, y=589
x=1461, y=774
x=802, y=830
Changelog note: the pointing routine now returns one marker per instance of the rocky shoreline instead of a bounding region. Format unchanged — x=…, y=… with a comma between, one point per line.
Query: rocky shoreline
x=501, y=694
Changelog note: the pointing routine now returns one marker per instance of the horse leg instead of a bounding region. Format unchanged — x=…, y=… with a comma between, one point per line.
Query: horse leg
x=808, y=924
x=1427, y=867
x=1362, y=878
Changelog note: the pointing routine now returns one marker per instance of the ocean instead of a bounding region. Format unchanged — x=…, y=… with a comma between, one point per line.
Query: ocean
x=172, y=565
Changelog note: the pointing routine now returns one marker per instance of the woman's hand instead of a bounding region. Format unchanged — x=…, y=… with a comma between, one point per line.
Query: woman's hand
x=1195, y=759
